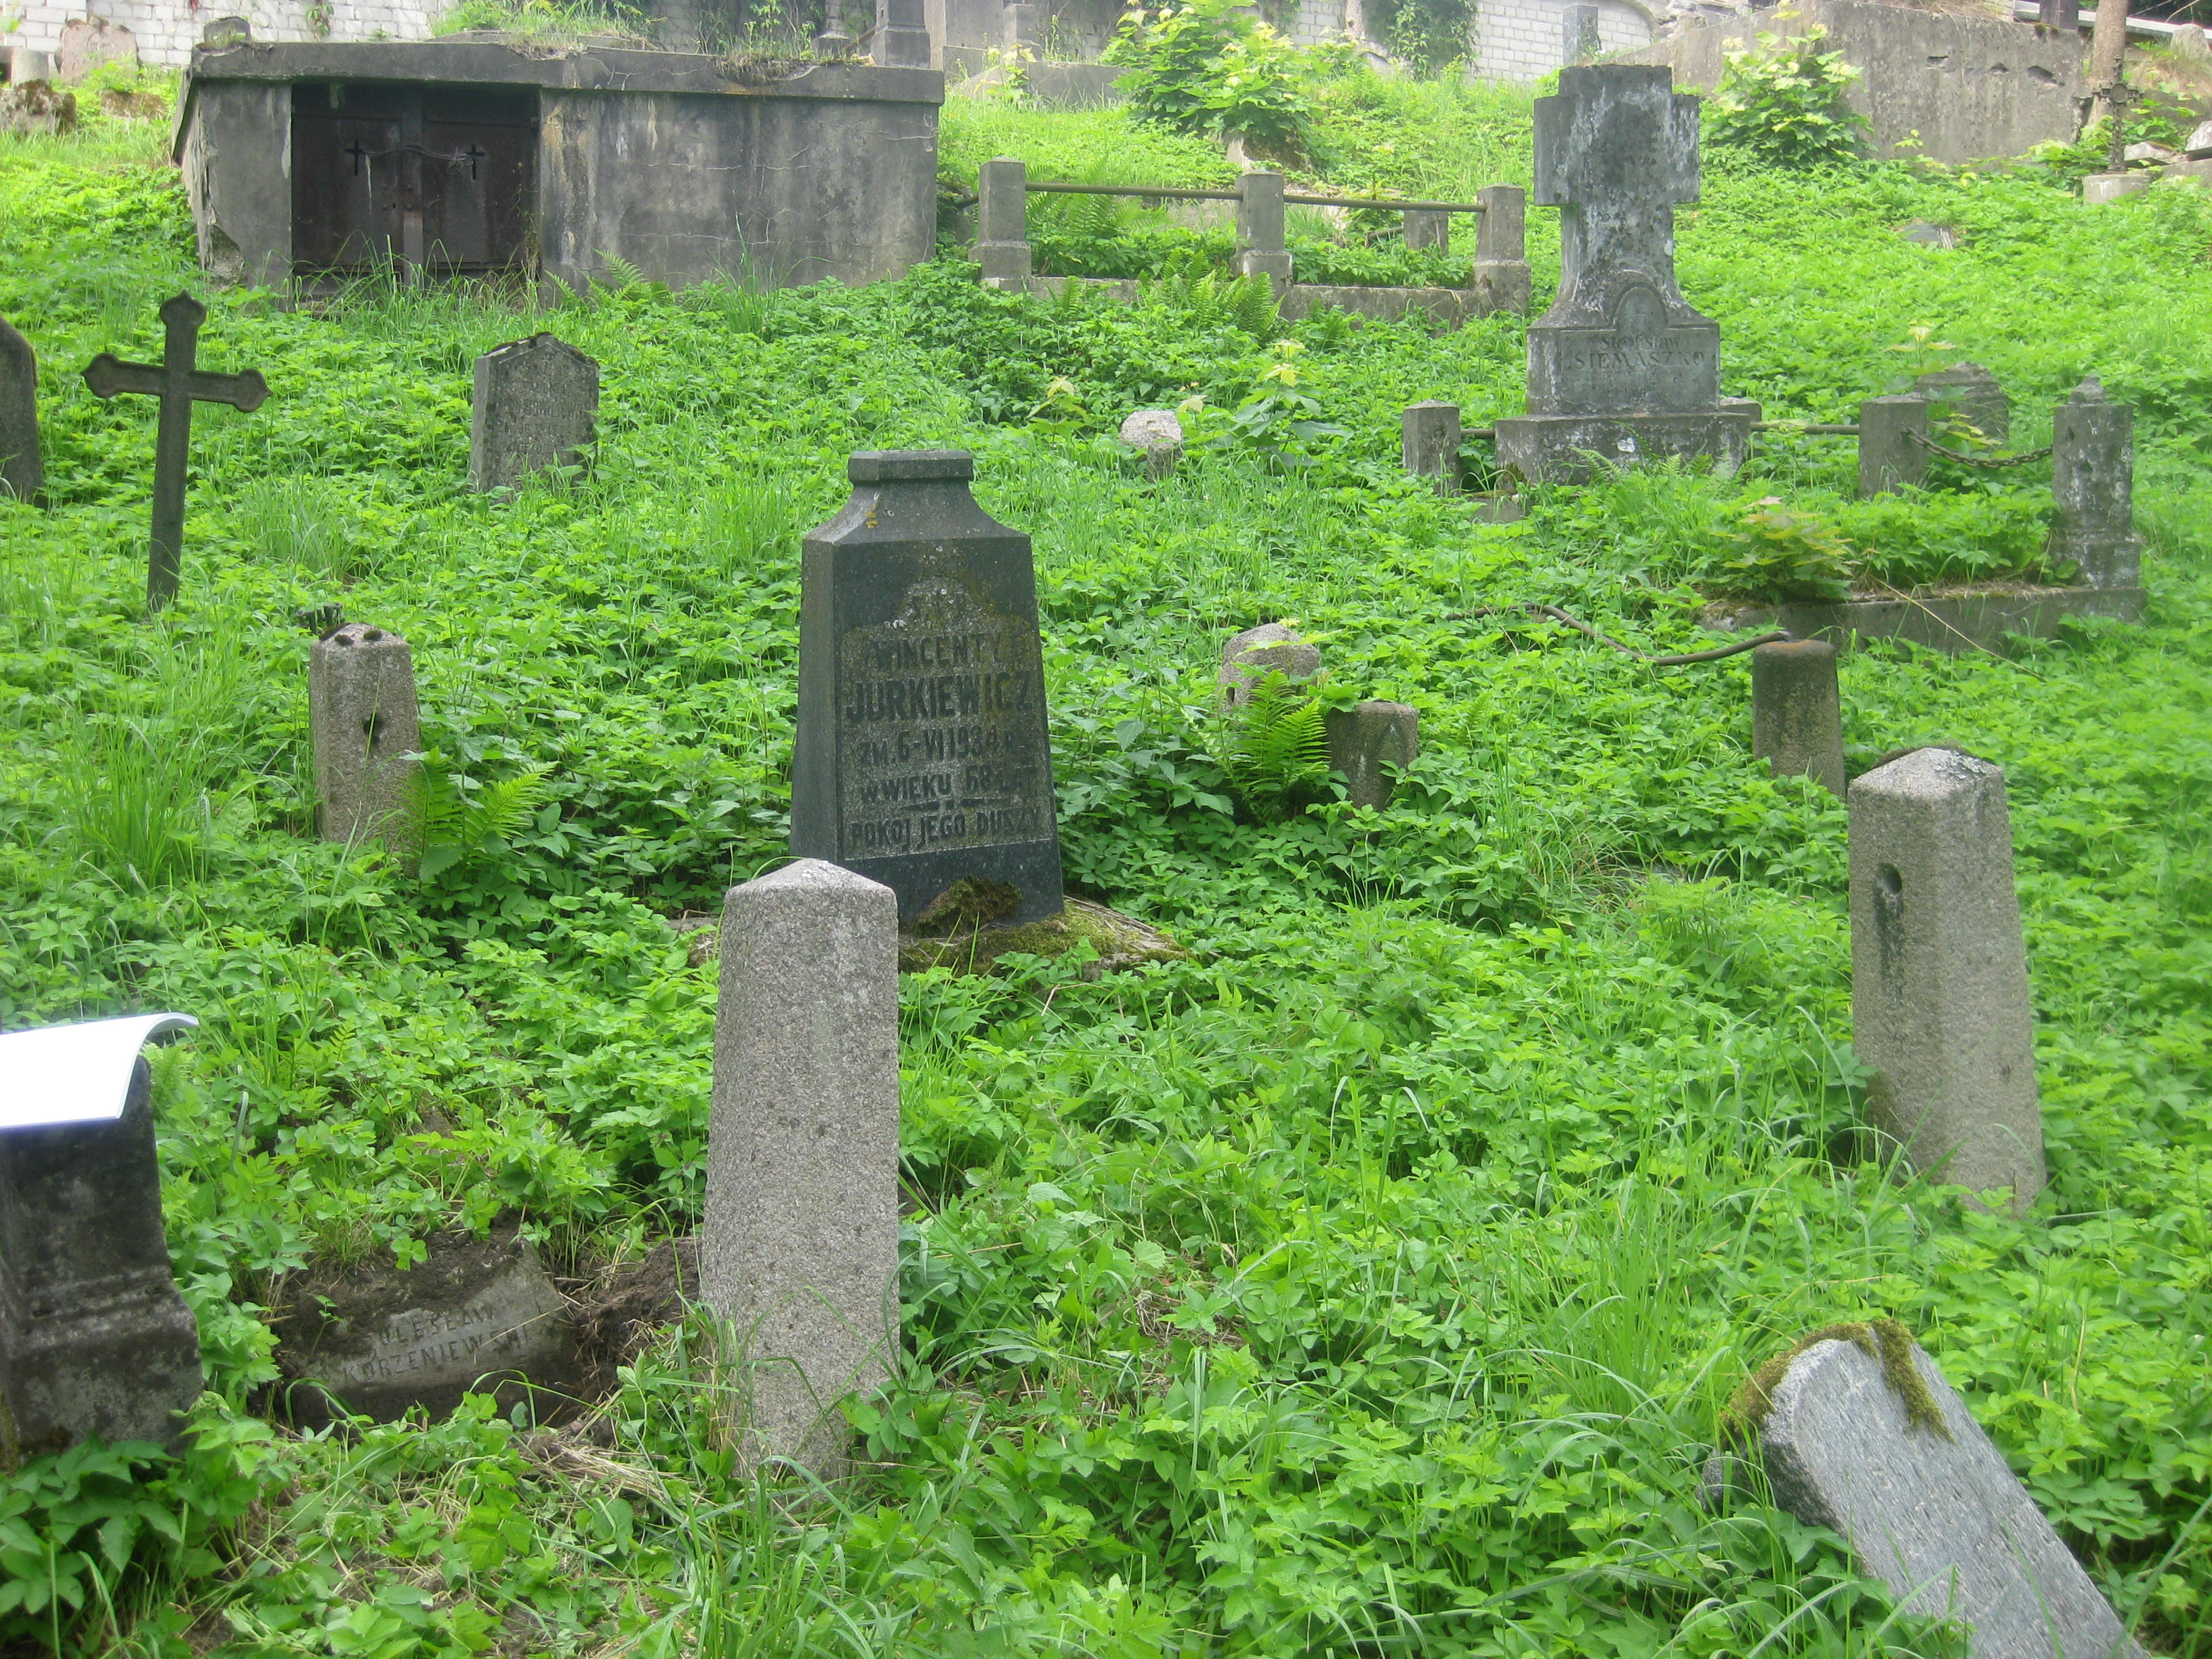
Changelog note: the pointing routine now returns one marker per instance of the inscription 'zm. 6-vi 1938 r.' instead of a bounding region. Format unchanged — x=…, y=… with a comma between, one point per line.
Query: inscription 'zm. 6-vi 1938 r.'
x=922, y=756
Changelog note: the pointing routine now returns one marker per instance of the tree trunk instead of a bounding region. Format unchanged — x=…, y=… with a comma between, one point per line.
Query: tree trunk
x=2108, y=49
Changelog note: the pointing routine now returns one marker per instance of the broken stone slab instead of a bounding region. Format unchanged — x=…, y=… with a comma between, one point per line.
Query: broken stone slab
x=1879, y=1447
x=23, y=473
x=474, y=1315
x=1928, y=236
x=2149, y=155
x=1975, y=617
x=1270, y=647
x=36, y=109
x=1372, y=745
x=2099, y=188
x=1159, y=434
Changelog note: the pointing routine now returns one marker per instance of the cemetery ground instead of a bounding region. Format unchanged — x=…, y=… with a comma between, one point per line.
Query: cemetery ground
x=1368, y=1282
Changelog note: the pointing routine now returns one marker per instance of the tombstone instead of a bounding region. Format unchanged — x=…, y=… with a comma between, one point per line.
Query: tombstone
x=922, y=757
x=1939, y=1006
x=833, y=45
x=2061, y=15
x=1426, y=229
x=1620, y=366
x=89, y=42
x=1930, y=235
x=1261, y=249
x=23, y=474
x=228, y=32
x=1581, y=41
x=36, y=109
x=900, y=37
x=1002, y=229
x=2188, y=41
x=1502, y=278
x=25, y=63
x=1372, y=745
x=2099, y=188
x=2093, y=483
x=1159, y=434
x=1023, y=29
x=1429, y=440
x=1796, y=711
x=474, y=1315
x=1892, y=444
x=799, y=1249
x=1930, y=1504
x=1272, y=648
x=1973, y=393
x=93, y=1338
x=361, y=700
x=535, y=404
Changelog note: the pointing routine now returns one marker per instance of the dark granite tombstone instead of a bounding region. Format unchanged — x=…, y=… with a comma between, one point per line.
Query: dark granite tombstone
x=21, y=473
x=922, y=757
x=93, y=1338
x=1620, y=366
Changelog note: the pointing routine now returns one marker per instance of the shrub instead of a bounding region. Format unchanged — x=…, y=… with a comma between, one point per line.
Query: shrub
x=1206, y=68
x=1784, y=105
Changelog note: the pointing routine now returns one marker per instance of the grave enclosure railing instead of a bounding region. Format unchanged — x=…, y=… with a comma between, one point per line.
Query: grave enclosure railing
x=1498, y=279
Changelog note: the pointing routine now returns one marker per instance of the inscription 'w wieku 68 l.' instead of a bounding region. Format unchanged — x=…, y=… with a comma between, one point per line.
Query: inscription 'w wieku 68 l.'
x=939, y=722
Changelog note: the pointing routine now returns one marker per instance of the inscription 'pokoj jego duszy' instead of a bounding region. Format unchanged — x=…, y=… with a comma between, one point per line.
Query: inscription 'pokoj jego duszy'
x=922, y=756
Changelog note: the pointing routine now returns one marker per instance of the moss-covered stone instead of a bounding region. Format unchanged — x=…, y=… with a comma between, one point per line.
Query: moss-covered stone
x=1882, y=1339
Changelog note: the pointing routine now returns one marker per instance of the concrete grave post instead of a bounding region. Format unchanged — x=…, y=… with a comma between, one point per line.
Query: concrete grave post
x=361, y=701
x=800, y=1247
x=93, y=1338
x=1893, y=444
x=1023, y=29
x=1002, y=230
x=536, y=402
x=1372, y=745
x=1621, y=366
x=23, y=474
x=901, y=38
x=1428, y=442
x=1272, y=648
x=2093, y=466
x=1797, y=711
x=1970, y=392
x=1261, y=247
x=1425, y=229
x=922, y=757
x=1930, y=1504
x=1580, y=40
x=1940, y=1004
x=1502, y=278
x=25, y=65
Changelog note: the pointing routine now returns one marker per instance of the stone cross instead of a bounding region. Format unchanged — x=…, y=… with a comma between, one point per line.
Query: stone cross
x=1797, y=711
x=93, y=1338
x=1429, y=440
x=799, y=1248
x=179, y=384
x=1930, y=1504
x=534, y=406
x=362, y=710
x=2093, y=466
x=23, y=474
x=922, y=757
x=1940, y=1004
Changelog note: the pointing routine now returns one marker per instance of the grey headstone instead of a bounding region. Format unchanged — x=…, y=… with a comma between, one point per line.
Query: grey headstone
x=800, y=1248
x=1892, y=456
x=535, y=403
x=93, y=1338
x=1002, y=234
x=1621, y=357
x=25, y=64
x=2147, y=155
x=2199, y=145
x=922, y=757
x=1159, y=434
x=1022, y=27
x=1272, y=648
x=1372, y=745
x=1928, y=236
x=1797, y=711
x=1972, y=393
x=474, y=1315
x=23, y=474
x=1261, y=249
x=900, y=37
x=1939, y=1006
x=1941, y=1521
x=2189, y=41
x=1502, y=278
x=362, y=710
x=1429, y=440
x=2099, y=188
x=833, y=45
x=1426, y=229
x=2093, y=466
x=89, y=42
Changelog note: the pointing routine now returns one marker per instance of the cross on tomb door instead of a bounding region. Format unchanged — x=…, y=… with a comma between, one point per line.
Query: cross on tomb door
x=179, y=383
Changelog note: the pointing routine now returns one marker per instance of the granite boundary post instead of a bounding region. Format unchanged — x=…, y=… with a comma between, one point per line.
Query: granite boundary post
x=1261, y=249
x=365, y=724
x=1892, y=444
x=1797, y=711
x=1002, y=233
x=1501, y=279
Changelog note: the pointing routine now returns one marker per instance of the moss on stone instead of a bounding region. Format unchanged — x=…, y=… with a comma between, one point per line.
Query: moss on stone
x=1884, y=1339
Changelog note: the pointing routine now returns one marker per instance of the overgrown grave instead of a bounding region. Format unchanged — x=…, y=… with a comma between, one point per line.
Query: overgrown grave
x=21, y=473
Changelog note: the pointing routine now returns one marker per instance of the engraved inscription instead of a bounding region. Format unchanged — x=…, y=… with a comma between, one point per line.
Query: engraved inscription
x=420, y=1341
x=940, y=728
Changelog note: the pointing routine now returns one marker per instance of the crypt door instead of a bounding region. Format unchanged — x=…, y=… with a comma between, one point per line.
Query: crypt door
x=437, y=180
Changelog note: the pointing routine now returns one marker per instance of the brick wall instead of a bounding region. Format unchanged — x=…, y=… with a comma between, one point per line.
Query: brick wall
x=167, y=30
x=1520, y=40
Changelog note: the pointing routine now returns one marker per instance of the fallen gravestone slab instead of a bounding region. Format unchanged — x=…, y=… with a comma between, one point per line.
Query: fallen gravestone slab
x=475, y=1315
x=1858, y=1432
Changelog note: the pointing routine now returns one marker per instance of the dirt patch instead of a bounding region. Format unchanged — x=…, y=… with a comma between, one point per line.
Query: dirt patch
x=620, y=1310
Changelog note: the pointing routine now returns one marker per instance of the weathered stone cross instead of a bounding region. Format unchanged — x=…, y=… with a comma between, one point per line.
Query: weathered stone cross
x=177, y=384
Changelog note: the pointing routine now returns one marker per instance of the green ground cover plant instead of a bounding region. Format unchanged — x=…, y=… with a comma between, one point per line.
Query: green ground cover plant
x=1372, y=1282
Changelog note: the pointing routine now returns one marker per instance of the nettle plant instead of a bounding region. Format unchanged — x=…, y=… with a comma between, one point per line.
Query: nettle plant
x=1785, y=105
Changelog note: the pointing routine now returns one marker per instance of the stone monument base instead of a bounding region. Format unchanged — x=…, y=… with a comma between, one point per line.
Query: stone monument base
x=1567, y=448
x=1948, y=619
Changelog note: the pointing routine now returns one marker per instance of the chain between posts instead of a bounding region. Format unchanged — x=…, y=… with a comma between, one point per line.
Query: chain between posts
x=1992, y=462
x=1672, y=659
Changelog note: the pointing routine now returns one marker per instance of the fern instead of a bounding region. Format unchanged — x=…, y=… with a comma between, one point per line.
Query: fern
x=1278, y=746
x=1252, y=305
x=459, y=818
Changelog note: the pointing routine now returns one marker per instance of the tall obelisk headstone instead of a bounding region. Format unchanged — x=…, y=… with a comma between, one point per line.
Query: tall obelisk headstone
x=922, y=758
x=1621, y=366
x=23, y=474
x=798, y=1251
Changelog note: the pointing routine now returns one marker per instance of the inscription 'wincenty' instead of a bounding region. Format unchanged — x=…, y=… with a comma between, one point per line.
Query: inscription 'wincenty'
x=940, y=728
